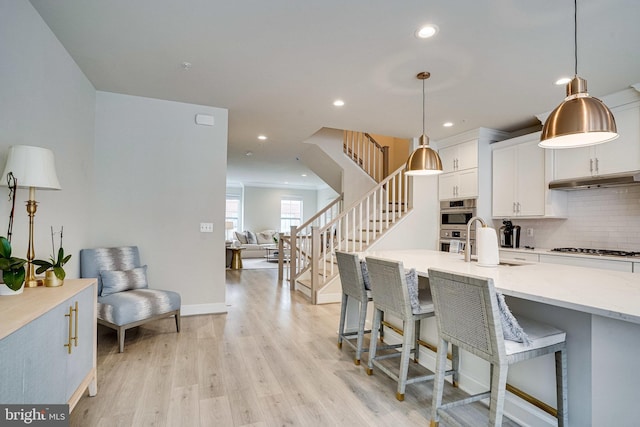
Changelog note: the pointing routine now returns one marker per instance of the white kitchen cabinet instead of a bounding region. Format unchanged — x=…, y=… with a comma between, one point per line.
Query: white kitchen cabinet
x=466, y=164
x=459, y=185
x=606, y=264
x=636, y=267
x=459, y=156
x=506, y=254
x=520, y=180
x=42, y=363
x=617, y=156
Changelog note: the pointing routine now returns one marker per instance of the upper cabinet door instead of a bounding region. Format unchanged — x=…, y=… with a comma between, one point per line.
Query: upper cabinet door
x=530, y=176
x=468, y=155
x=504, y=182
x=617, y=156
x=448, y=156
x=459, y=157
x=621, y=154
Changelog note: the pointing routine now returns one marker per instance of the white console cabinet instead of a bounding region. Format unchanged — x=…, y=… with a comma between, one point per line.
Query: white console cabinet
x=48, y=344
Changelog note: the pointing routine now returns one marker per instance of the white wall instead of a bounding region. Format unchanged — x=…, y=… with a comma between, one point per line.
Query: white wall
x=355, y=182
x=158, y=175
x=420, y=229
x=325, y=196
x=46, y=101
x=262, y=206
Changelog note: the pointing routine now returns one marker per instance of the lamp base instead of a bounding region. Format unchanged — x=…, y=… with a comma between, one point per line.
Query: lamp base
x=33, y=283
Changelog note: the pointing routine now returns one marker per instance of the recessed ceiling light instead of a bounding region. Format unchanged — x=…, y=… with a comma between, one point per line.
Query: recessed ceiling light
x=338, y=102
x=304, y=174
x=286, y=182
x=262, y=137
x=563, y=81
x=447, y=124
x=249, y=153
x=427, y=31
x=186, y=66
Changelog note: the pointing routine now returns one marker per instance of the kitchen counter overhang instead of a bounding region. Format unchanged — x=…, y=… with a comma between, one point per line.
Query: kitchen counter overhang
x=604, y=293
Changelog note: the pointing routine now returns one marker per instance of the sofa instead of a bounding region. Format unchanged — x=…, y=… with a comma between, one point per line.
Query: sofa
x=255, y=244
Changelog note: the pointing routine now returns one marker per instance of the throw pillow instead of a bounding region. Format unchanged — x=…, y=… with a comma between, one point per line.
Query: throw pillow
x=241, y=237
x=114, y=281
x=251, y=237
x=365, y=274
x=411, y=277
x=511, y=329
x=265, y=237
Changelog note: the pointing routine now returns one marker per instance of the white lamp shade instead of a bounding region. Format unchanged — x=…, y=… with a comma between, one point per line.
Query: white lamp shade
x=228, y=225
x=32, y=167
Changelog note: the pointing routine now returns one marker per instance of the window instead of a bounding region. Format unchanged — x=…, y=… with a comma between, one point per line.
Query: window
x=232, y=213
x=290, y=213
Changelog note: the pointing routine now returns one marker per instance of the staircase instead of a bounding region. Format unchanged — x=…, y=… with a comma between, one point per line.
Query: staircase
x=367, y=153
x=311, y=246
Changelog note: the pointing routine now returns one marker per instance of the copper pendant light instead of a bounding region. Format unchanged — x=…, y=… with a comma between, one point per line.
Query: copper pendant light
x=580, y=119
x=424, y=160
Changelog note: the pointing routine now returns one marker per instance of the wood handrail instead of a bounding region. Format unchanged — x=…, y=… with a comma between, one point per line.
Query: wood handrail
x=322, y=212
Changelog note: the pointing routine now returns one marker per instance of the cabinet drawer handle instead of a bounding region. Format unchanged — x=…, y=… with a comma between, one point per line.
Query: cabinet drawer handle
x=72, y=330
x=597, y=168
x=591, y=165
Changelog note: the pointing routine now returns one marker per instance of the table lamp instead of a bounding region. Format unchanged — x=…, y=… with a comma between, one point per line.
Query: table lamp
x=228, y=225
x=32, y=167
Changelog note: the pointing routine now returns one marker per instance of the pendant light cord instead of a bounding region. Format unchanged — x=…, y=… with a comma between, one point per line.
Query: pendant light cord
x=575, y=36
x=423, y=107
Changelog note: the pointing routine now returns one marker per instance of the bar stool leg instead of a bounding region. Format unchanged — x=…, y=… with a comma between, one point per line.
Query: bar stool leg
x=361, y=321
x=374, y=339
x=407, y=338
x=498, y=391
x=343, y=315
x=438, y=381
x=561, y=387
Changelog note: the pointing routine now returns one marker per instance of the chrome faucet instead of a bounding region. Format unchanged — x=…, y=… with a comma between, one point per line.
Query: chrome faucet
x=467, y=245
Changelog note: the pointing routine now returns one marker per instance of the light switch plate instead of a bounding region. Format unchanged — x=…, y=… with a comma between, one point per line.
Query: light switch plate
x=206, y=227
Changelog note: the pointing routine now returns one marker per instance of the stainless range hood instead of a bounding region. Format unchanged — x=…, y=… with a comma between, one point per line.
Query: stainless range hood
x=614, y=180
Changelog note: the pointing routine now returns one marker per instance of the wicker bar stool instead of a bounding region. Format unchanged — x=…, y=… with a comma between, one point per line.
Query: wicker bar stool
x=353, y=287
x=392, y=294
x=479, y=324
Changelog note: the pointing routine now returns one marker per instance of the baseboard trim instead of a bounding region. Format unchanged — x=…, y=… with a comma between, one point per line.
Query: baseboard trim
x=196, y=309
x=515, y=408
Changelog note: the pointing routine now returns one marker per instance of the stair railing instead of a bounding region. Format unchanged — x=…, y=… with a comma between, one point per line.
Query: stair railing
x=367, y=153
x=352, y=230
x=299, y=239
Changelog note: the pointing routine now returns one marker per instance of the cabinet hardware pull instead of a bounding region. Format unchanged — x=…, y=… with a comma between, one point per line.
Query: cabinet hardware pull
x=514, y=207
x=597, y=166
x=71, y=327
x=591, y=165
x=75, y=338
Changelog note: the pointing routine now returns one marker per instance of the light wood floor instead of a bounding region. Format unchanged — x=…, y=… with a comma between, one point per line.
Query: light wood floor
x=272, y=360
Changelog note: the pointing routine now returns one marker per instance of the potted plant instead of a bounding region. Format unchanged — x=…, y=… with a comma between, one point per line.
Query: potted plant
x=13, y=272
x=54, y=273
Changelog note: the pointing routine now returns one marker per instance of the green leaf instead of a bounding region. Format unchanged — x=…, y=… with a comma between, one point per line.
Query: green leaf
x=5, y=264
x=59, y=272
x=42, y=269
x=13, y=278
x=65, y=260
x=5, y=247
x=60, y=255
x=42, y=263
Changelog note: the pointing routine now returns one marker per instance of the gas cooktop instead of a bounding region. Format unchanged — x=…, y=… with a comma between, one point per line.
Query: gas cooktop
x=607, y=252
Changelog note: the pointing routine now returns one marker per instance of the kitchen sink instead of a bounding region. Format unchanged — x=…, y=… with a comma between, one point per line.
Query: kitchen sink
x=507, y=263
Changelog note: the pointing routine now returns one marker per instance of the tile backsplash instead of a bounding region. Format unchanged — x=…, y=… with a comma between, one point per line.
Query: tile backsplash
x=603, y=218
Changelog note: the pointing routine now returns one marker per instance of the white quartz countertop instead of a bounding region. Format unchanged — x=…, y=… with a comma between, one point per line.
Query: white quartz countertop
x=605, y=293
x=545, y=251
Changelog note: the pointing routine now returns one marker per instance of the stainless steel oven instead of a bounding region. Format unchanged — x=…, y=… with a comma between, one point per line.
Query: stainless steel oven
x=454, y=215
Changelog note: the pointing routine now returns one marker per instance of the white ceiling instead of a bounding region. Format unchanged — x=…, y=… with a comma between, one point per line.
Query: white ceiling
x=278, y=65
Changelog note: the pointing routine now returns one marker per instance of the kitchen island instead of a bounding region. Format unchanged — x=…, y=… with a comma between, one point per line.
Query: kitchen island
x=599, y=310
